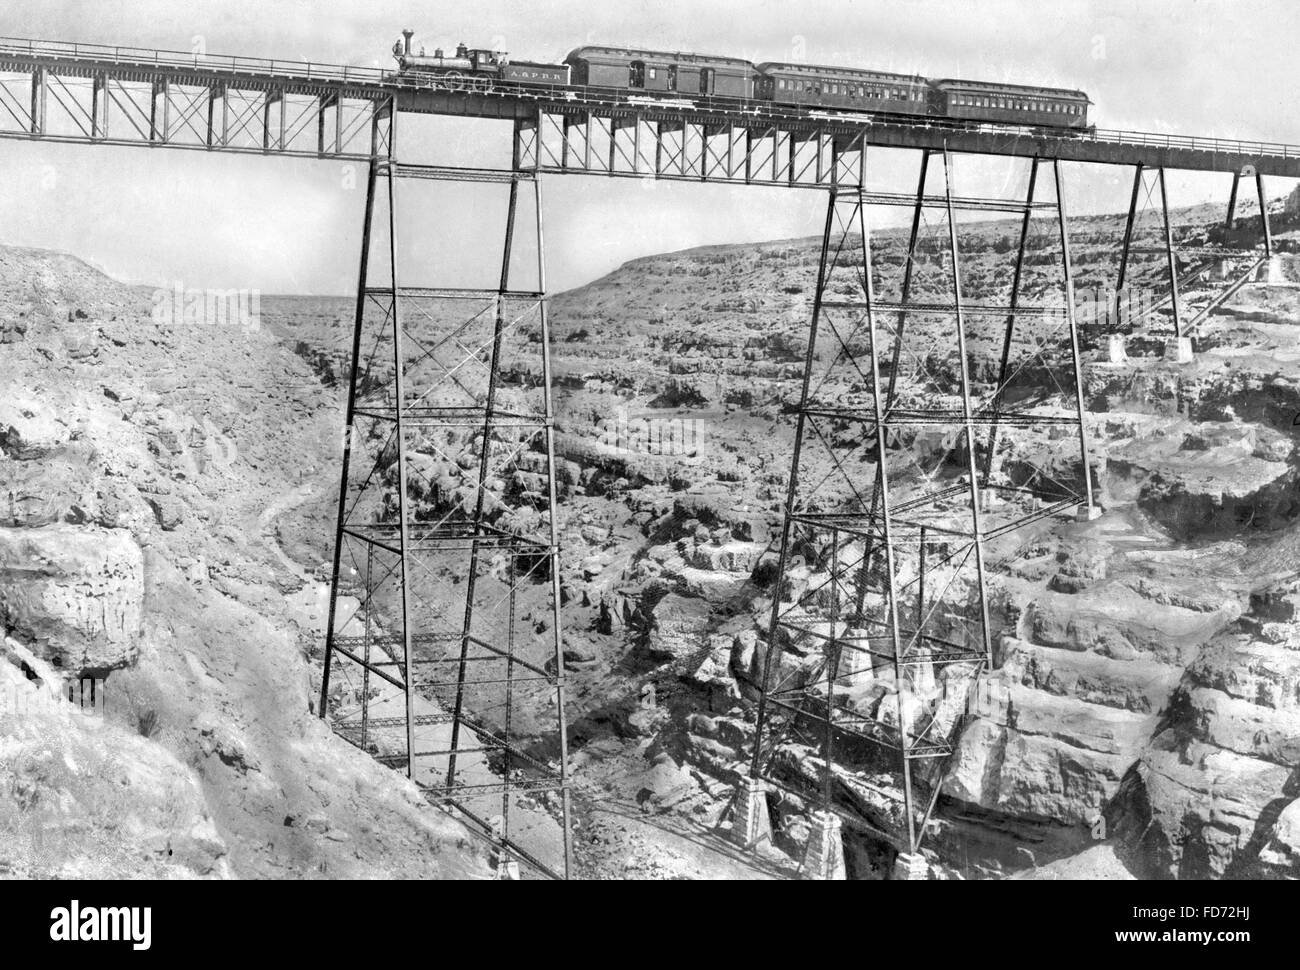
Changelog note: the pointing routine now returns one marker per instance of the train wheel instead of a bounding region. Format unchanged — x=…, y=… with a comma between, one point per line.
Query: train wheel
x=454, y=80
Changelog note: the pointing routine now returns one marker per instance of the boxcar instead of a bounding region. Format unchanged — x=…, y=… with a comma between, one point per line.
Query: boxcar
x=1016, y=104
x=842, y=87
x=641, y=70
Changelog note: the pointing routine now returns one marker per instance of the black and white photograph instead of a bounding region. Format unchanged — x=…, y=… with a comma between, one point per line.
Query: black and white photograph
x=643, y=441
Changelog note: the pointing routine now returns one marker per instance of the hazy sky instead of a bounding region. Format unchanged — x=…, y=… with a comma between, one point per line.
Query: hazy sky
x=1204, y=67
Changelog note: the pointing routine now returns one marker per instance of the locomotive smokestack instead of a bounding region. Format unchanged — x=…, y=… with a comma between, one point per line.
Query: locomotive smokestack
x=406, y=36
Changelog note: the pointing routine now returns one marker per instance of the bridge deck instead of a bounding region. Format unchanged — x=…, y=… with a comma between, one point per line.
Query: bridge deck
x=329, y=83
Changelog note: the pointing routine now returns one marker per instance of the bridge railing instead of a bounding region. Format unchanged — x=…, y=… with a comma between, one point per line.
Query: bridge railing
x=1220, y=145
x=145, y=57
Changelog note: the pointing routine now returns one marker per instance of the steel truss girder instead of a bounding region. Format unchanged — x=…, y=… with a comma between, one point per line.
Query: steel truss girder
x=400, y=678
x=483, y=98
x=122, y=107
x=898, y=581
x=647, y=145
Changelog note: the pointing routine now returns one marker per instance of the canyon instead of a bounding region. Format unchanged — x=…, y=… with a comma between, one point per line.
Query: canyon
x=170, y=497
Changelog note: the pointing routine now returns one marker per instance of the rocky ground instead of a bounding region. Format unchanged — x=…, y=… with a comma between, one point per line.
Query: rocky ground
x=1121, y=712
x=138, y=460
x=1143, y=719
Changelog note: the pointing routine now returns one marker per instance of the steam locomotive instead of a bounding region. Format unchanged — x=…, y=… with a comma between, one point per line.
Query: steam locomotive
x=682, y=76
x=473, y=70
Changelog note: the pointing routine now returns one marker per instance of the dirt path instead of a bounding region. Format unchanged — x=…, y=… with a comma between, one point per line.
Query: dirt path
x=266, y=528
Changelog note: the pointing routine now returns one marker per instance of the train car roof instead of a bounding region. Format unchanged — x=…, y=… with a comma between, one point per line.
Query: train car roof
x=952, y=83
x=766, y=67
x=681, y=56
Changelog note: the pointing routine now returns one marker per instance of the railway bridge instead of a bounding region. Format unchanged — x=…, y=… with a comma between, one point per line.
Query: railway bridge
x=437, y=658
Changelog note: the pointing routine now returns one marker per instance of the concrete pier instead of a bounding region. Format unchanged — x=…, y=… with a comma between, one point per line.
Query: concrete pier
x=750, y=824
x=824, y=857
x=1178, y=350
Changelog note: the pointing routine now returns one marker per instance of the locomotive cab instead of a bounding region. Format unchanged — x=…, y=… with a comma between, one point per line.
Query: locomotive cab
x=483, y=60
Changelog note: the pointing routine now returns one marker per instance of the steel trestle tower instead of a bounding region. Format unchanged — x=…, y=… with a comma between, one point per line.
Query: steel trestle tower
x=916, y=420
x=443, y=653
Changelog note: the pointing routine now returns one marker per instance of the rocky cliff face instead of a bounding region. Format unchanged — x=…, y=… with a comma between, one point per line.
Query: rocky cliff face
x=1146, y=693
x=143, y=465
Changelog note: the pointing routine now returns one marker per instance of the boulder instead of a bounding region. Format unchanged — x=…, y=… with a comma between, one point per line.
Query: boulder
x=679, y=625
x=1193, y=809
x=29, y=428
x=1280, y=856
x=168, y=510
x=1113, y=620
x=1140, y=685
x=1046, y=757
x=76, y=594
x=664, y=785
x=1246, y=727
x=1080, y=567
x=1098, y=862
